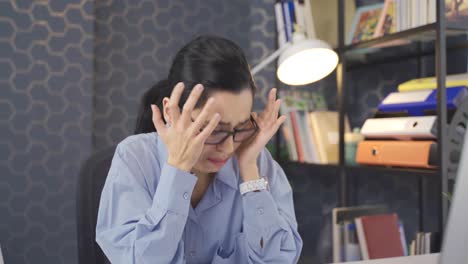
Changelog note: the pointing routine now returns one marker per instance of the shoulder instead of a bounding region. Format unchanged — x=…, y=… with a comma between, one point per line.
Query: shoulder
x=138, y=159
x=138, y=143
x=140, y=147
x=141, y=152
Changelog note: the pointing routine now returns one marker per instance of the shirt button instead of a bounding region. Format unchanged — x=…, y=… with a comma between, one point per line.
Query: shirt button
x=192, y=253
x=186, y=195
x=260, y=211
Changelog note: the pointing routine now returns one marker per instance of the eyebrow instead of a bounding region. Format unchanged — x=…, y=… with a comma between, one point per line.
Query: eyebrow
x=226, y=123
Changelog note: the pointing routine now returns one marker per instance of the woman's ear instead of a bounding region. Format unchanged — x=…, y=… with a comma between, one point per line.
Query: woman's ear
x=166, y=115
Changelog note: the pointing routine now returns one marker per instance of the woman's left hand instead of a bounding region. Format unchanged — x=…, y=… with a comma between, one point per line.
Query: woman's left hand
x=268, y=123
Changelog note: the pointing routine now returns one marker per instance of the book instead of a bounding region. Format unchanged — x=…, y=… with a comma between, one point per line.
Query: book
x=297, y=136
x=387, y=20
x=325, y=130
x=344, y=215
x=310, y=153
x=297, y=129
x=325, y=19
x=280, y=26
x=288, y=28
x=365, y=23
x=456, y=12
x=452, y=80
x=352, y=251
x=379, y=236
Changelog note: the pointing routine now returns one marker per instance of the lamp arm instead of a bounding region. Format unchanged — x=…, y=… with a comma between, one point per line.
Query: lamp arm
x=269, y=59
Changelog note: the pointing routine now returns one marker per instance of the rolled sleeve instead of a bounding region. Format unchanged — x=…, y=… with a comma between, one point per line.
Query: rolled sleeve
x=174, y=190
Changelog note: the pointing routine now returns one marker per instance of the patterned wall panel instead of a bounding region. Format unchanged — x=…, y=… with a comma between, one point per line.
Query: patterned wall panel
x=136, y=41
x=46, y=67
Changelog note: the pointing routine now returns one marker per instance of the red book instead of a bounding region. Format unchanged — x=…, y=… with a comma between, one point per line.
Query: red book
x=379, y=236
x=297, y=136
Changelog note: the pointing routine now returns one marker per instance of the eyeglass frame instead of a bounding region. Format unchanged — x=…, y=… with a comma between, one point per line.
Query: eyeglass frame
x=233, y=133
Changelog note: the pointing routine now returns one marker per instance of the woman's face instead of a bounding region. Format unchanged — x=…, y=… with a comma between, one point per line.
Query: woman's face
x=235, y=111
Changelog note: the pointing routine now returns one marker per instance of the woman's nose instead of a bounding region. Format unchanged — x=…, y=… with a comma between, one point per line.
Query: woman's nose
x=227, y=146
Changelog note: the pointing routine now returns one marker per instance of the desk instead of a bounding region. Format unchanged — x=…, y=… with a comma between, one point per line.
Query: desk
x=418, y=259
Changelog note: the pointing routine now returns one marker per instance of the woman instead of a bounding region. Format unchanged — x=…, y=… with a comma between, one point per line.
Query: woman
x=195, y=191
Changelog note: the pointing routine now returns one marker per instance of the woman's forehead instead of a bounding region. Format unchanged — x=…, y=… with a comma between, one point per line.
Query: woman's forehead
x=234, y=108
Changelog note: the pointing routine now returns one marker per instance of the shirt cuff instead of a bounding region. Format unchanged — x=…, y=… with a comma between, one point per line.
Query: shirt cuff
x=261, y=212
x=174, y=190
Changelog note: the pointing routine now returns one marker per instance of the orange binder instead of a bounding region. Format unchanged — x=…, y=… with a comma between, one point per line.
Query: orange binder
x=418, y=154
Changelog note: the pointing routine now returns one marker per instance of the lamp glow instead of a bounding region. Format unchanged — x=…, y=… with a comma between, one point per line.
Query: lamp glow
x=306, y=61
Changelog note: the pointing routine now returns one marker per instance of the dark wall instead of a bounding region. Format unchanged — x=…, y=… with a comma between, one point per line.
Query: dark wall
x=46, y=87
x=135, y=42
x=71, y=75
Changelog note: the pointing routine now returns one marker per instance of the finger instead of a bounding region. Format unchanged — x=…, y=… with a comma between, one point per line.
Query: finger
x=209, y=128
x=279, y=122
x=191, y=102
x=174, y=102
x=274, y=113
x=254, y=115
x=157, y=120
x=271, y=101
x=202, y=117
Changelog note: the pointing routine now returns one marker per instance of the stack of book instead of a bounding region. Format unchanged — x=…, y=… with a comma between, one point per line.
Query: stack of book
x=404, y=130
x=292, y=16
x=367, y=232
x=425, y=243
x=310, y=131
x=392, y=16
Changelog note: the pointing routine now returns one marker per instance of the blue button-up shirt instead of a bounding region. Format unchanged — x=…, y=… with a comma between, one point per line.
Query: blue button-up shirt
x=145, y=214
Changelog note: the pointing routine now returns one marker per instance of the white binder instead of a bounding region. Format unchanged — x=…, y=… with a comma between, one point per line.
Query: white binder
x=403, y=128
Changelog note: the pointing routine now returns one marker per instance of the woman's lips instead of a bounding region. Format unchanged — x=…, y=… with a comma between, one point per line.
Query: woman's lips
x=218, y=162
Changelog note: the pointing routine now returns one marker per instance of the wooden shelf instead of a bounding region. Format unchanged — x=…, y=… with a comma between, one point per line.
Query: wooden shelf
x=333, y=169
x=412, y=43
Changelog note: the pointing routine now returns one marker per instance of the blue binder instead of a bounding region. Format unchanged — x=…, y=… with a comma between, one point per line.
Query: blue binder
x=419, y=103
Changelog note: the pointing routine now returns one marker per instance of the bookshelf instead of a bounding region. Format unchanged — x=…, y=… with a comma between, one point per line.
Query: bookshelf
x=433, y=35
x=432, y=39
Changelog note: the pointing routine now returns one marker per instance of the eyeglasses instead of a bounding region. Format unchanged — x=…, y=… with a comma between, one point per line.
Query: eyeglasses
x=239, y=135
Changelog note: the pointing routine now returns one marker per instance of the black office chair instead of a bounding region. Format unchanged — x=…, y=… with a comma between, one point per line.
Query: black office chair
x=90, y=183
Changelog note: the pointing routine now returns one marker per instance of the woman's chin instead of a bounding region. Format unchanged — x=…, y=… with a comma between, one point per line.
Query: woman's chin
x=209, y=167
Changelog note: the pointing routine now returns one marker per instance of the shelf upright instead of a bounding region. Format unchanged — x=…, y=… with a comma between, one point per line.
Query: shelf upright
x=341, y=91
x=441, y=71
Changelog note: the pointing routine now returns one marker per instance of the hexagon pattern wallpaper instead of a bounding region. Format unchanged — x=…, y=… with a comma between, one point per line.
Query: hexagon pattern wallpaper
x=71, y=76
x=46, y=111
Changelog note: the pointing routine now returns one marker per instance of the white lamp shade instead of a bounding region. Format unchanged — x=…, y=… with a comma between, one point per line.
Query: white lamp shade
x=306, y=61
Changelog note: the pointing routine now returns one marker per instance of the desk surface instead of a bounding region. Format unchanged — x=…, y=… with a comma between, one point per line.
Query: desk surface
x=419, y=259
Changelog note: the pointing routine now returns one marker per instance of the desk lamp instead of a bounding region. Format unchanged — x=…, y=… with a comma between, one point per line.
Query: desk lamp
x=302, y=61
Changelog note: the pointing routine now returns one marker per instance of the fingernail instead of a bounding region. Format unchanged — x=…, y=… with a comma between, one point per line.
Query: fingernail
x=217, y=116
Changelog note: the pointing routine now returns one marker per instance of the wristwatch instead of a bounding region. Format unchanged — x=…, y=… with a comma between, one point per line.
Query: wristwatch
x=255, y=185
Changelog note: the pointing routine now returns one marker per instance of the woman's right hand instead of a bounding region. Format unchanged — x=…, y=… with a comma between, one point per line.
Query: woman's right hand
x=185, y=139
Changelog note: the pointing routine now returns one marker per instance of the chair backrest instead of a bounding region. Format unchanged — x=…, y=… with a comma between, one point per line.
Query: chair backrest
x=91, y=181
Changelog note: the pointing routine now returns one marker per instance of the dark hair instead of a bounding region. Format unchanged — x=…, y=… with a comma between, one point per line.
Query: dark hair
x=217, y=63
